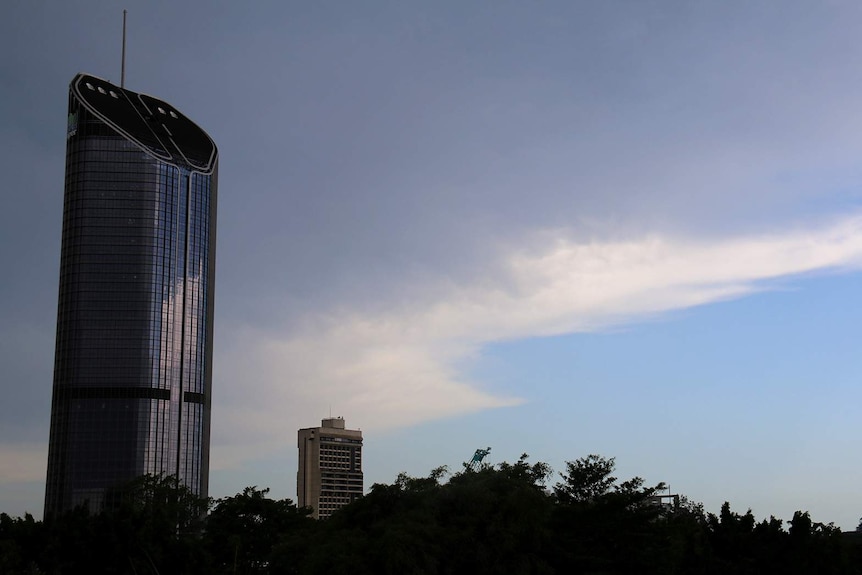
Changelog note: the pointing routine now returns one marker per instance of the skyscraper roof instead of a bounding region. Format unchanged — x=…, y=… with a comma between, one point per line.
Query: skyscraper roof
x=150, y=122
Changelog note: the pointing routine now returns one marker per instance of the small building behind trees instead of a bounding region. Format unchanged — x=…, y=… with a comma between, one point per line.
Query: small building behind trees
x=329, y=475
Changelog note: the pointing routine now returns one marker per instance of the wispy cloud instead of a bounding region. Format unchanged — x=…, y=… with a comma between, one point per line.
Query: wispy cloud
x=22, y=462
x=401, y=367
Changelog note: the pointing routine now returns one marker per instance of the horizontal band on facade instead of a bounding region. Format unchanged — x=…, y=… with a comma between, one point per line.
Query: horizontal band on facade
x=193, y=397
x=70, y=393
x=113, y=393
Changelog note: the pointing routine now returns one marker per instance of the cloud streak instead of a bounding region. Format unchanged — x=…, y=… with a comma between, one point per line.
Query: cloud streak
x=402, y=366
x=22, y=462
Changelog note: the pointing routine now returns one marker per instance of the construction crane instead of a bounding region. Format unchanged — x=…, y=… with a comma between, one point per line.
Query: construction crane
x=477, y=459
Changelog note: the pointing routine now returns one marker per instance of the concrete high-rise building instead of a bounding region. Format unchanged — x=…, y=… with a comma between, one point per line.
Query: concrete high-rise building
x=330, y=467
x=133, y=359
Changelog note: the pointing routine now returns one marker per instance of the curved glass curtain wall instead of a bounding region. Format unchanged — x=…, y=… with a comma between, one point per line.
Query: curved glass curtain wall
x=133, y=350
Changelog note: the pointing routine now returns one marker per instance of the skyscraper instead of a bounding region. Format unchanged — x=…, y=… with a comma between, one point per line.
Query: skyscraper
x=330, y=467
x=133, y=358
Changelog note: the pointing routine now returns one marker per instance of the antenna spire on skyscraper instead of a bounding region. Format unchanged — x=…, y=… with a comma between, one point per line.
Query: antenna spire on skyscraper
x=123, y=60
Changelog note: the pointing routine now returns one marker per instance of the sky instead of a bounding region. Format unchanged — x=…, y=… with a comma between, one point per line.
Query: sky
x=630, y=228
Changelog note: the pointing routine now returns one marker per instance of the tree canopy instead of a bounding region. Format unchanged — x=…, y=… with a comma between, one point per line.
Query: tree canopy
x=511, y=518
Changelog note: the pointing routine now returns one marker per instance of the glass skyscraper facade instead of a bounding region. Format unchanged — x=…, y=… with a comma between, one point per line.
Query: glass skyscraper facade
x=133, y=359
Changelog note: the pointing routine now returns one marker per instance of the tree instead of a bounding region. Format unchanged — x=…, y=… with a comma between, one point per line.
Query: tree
x=151, y=524
x=493, y=519
x=606, y=526
x=21, y=542
x=243, y=530
x=585, y=479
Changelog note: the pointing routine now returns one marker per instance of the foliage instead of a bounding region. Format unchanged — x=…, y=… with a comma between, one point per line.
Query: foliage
x=604, y=525
x=586, y=480
x=243, y=530
x=20, y=540
x=493, y=519
x=489, y=520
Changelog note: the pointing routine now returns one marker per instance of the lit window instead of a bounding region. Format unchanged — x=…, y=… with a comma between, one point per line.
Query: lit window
x=113, y=94
x=90, y=86
x=173, y=114
x=102, y=90
x=161, y=110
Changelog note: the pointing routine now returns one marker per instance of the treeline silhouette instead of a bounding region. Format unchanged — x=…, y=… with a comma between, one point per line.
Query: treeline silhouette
x=502, y=519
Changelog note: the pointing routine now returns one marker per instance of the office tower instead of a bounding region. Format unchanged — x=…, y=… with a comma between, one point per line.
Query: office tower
x=330, y=467
x=133, y=358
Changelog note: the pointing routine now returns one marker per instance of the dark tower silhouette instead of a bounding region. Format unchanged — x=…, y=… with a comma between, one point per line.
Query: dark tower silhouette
x=133, y=360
